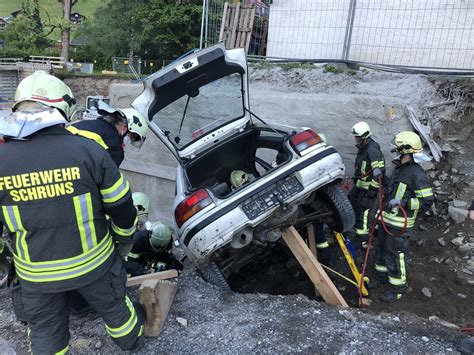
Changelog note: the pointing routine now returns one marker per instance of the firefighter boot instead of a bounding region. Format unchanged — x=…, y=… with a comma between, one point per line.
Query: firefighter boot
x=326, y=256
x=390, y=296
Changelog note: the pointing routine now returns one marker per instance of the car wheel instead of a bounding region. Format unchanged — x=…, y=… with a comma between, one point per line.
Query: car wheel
x=343, y=214
x=214, y=276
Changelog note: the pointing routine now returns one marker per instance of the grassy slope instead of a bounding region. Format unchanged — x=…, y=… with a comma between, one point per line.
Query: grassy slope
x=53, y=7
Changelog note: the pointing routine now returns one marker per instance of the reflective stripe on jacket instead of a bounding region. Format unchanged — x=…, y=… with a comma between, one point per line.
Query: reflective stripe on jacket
x=369, y=157
x=55, y=192
x=409, y=184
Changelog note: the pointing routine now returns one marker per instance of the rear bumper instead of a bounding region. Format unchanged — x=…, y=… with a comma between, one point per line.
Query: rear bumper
x=214, y=228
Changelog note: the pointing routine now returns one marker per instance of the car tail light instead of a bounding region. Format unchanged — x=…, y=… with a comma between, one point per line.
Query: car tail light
x=304, y=140
x=190, y=206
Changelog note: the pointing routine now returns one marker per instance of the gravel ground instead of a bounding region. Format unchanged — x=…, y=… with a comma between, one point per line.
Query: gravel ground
x=225, y=322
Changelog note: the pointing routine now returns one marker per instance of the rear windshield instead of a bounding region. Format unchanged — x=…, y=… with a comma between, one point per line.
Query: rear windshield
x=215, y=105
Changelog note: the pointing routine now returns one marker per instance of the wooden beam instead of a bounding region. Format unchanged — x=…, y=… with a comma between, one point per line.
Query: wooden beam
x=162, y=275
x=311, y=266
x=311, y=239
x=235, y=23
x=248, y=36
x=223, y=22
x=157, y=297
x=312, y=247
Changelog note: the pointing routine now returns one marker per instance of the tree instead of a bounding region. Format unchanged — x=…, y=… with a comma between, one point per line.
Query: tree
x=149, y=28
x=175, y=28
x=110, y=31
x=26, y=32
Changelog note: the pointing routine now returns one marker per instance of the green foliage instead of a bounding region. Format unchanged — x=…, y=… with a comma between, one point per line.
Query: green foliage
x=172, y=29
x=331, y=69
x=150, y=28
x=90, y=55
x=25, y=34
x=53, y=8
x=110, y=31
x=12, y=52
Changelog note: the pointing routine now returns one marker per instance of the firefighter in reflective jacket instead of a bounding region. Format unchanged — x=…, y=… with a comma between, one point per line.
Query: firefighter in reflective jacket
x=408, y=188
x=152, y=251
x=112, y=129
x=369, y=166
x=55, y=192
x=152, y=243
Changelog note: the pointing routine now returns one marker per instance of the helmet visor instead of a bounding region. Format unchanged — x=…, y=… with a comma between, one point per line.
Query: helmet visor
x=134, y=141
x=21, y=124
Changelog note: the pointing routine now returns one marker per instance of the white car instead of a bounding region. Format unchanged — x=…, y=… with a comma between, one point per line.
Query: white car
x=199, y=107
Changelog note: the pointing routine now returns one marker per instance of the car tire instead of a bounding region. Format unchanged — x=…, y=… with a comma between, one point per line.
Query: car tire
x=214, y=276
x=338, y=203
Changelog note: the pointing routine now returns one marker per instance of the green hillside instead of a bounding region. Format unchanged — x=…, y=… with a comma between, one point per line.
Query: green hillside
x=53, y=7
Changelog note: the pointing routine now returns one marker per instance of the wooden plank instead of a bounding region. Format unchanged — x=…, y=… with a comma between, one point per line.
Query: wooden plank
x=165, y=292
x=162, y=275
x=235, y=23
x=227, y=21
x=311, y=239
x=146, y=296
x=223, y=22
x=312, y=247
x=242, y=18
x=311, y=266
x=248, y=36
x=157, y=297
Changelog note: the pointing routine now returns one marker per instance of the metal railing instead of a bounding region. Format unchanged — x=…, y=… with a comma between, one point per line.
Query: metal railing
x=411, y=33
x=55, y=62
x=126, y=64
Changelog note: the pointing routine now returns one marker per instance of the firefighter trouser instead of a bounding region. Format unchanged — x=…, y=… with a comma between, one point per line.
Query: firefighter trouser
x=48, y=313
x=364, y=209
x=391, y=264
x=320, y=238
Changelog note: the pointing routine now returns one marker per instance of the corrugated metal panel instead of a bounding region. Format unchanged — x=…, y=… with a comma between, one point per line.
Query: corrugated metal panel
x=8, y=83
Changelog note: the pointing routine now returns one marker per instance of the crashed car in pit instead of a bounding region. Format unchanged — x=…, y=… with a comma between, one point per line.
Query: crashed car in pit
x=199, y=108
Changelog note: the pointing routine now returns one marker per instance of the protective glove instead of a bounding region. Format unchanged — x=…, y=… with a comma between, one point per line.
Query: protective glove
x=394, y=202
x=377, y=172
x=123, y=248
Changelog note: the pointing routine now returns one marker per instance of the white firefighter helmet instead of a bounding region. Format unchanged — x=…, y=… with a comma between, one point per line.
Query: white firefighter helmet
x=362, y=130
x=137, y=125
x=48, y=90
x=141, y=203
x=160, y=235
x=104, y=109
x=41, y=101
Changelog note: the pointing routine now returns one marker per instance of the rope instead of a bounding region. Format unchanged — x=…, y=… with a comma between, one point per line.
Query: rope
x=340, y=275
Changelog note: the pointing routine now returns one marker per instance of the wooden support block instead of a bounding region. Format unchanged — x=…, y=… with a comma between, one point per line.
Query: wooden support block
x=311, y=239
x=312, y=247
x=157, y=297
x=311, y=266
x=162, y=275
